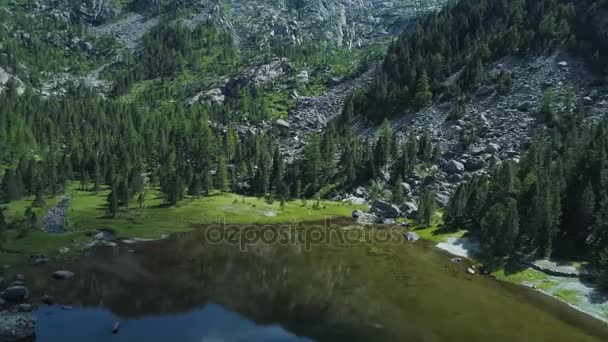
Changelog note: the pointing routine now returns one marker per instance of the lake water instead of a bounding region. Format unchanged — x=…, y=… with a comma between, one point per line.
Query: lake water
x=188, y=288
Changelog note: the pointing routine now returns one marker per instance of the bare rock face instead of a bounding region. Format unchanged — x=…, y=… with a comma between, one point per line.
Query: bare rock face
x=95, y=12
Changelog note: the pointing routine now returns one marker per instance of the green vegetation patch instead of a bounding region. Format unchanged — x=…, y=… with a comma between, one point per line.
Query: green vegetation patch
x=88, y=213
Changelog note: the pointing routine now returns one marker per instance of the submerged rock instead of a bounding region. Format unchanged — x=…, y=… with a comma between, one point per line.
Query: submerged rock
x=17, y=326
x=62, y=275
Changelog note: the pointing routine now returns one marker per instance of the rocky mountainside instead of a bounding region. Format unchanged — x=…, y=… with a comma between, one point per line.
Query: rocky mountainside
x=305, y=56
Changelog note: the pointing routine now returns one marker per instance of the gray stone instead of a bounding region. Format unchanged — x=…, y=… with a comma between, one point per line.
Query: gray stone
x=484, y=91
x=411, y=236
x=475, y=164
x=492, y=148
x=442, y=199
x=563, y=64
x=23, y=307
x=282, y=125
x=367, y=218
x=407, y=189
x=334, y=81
x=17, y=326
x=385, y=209
x=455, y=178
x=525, y=106
x=453, y=166
x=354, y=200
x=15, y=294
x=410, y=209
x=62, y=275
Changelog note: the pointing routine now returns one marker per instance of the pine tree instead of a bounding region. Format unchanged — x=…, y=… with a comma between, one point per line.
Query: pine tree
x=113, y=203
x=12, y=186
x=426, y=209
x=3, y=227
x=398, y=191
x=207, y=182
x=196, y=187
x=141, y=200
x=39, y=201
x=222, y=176
x=123, y=193
x=423, y=96
x=547, y=109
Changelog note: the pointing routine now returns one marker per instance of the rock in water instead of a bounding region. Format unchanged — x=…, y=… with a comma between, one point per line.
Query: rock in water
x=115, y=327
x=48, y=300
x=411, y=236
x=15, y=294
x=62, y=275
x=471, y=271
x=18, y=326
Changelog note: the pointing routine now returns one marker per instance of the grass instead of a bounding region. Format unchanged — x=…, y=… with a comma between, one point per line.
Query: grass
x=435, y=232
x=87, y=214
x=570, y=296
x=525, y=275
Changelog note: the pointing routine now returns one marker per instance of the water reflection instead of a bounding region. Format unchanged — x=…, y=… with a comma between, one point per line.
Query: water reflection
x=185, y=288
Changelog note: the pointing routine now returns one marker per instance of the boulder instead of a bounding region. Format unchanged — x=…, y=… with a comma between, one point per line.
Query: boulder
x=283, y=126
x=454, y=166
x=23, y=307
x=334, y=81
x=385, y=209
x=48, y=300
x=389, y=221
x=354, y=200
x=563, y=64
x=357, y=214
x=39, y=260
x=525, y=106
x=484, y=91
x=303, y=77
x=15, y=294
x=411, y=236
x=471, y=271
x=410, y=209
x=492, y=148
x=62, y=275
x=367, y=218
x=442, y=199
x=17, y=326
x=95, y=12
x=475, y=164
x=361, y=192
x=407, y=189
x=455, y=178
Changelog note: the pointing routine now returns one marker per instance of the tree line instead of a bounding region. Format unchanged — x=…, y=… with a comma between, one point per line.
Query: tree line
x=552, y=203
x=445, y=55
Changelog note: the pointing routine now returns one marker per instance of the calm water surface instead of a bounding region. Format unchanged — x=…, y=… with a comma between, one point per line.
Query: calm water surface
x=188, y=289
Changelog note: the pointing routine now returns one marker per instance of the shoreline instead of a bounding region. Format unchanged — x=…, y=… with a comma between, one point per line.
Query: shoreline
x=454, y=247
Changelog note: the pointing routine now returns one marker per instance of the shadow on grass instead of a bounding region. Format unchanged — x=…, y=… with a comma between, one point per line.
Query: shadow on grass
x=514, y=266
